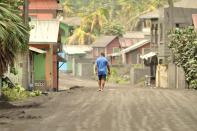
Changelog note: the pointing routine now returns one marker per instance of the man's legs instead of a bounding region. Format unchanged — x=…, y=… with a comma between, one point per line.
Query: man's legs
x=99, y=83
x=102, y=84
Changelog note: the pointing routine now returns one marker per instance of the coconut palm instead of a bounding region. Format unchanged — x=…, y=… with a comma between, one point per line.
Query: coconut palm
x=68, y=8
x=13, y=36
x=80, y=37
x=91, y=26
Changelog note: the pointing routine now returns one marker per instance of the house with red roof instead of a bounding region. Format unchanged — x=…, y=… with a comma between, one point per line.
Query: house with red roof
x=43, y=9
x=108, y=45
x=44, y=44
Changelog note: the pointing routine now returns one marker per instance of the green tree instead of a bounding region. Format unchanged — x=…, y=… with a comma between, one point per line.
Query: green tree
x=183, y=43
x=113, y=28
x=13, y=34
x=91, y=27
x=68, y=8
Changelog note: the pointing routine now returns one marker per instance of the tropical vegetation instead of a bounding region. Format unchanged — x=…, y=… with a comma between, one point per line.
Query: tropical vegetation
x=183, y=43
x=13, y=33
x=110, y=17
x=17, y=93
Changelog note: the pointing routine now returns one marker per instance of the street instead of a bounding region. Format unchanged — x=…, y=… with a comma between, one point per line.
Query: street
x=118, y=108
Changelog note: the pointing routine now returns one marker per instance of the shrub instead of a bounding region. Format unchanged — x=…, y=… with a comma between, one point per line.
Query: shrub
x=183, y=43
x=18, y=93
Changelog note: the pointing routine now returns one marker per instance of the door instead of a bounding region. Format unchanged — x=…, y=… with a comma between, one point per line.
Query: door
x=39, y=66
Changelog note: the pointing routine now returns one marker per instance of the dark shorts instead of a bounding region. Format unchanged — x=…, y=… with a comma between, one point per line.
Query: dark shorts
x=102, y=77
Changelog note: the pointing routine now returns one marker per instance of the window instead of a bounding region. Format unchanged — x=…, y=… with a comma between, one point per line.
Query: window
x=116, y=49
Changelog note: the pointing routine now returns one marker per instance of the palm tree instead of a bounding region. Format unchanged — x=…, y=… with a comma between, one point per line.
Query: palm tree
x=91, y=26
x=13, y=36
x=68, y=8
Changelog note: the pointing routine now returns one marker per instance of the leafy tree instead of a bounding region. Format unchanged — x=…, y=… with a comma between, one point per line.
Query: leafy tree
x=125, y=11
x=13, y=34
x=68, y=8
x=183, y=43
x=113, y=28
x=91, y=26
x=80, y=37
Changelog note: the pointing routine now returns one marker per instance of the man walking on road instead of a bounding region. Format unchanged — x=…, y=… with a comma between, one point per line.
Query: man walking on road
x=102, y=65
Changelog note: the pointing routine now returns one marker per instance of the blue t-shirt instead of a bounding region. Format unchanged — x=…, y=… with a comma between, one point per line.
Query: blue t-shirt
x=101, y=64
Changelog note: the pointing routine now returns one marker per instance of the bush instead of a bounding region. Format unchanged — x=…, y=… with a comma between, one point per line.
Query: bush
x=12, y=94
x=115, y=77
x=17, y=93
x=183, y=43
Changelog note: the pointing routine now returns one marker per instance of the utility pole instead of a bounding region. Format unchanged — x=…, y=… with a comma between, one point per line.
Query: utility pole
x=25, y=69
x=171, y=12
x=26, y=12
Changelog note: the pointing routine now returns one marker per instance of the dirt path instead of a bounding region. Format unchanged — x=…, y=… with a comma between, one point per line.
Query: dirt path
x=115, y=109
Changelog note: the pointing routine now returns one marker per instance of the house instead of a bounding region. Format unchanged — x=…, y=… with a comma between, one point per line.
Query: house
x=44, y=44
x=108, y=45
x=161, y=24
x=43, y=9
x=131, y=55
x=79, y=60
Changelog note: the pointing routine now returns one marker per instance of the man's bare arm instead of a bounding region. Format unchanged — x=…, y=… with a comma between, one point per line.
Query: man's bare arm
x=108, y=67
x=96, y=70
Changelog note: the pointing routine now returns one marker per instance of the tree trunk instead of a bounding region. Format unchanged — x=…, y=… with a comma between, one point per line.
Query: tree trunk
x=25, y=80
x=0, y=85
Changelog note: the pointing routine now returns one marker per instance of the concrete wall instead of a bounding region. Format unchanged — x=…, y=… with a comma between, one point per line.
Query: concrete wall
x=18, y=65
x=83, y=67
x=176, y=77
x=137, y=75
x=87, y=70
x=162, y=76
x=170, y=76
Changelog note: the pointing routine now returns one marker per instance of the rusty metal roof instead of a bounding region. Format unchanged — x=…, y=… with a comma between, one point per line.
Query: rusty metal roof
x=44, y=31
x=150, y=15
x=76, y=21
x=185, y=4
x=103, y=41
x=134, y=35
x=43, y=4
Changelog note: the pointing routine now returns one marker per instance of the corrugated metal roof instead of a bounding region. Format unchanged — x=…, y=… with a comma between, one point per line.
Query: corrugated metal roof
x=150, y=15
x=43, y=4
x=135, y=46
x=76, y=21
x=194, y=17
x=103, y=41
x=134, y=35
x=36, y=50
x=148, y=55
x=76, y=49
x=185, y=4
x=44, y=31
x=124, y=43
